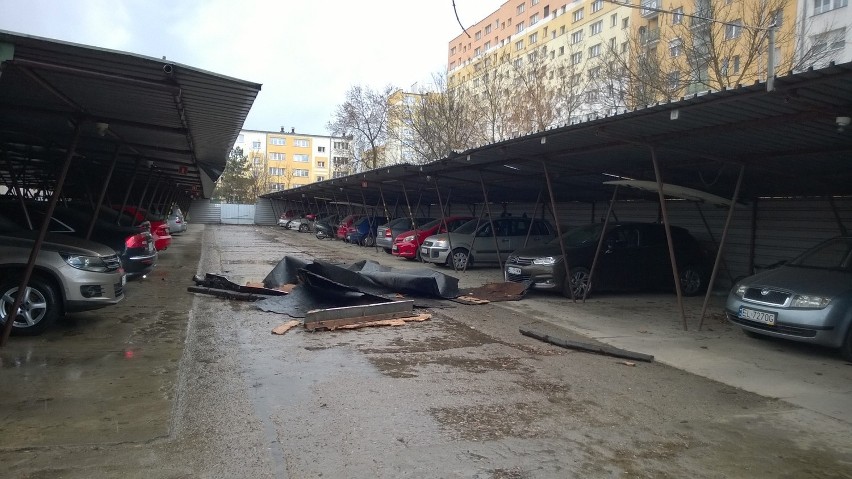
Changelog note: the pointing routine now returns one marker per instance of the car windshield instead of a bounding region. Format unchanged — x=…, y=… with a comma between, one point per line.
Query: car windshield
x=430, y=224
x=835, y=253
x=581, y=235
x=469, y=227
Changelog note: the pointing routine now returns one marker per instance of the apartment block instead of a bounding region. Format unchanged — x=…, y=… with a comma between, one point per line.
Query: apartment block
x=285, y=159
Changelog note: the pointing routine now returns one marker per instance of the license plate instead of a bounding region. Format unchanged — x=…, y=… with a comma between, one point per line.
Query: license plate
x=424, y=251
x=513, y=270
x=758, y=316
x=394, y=248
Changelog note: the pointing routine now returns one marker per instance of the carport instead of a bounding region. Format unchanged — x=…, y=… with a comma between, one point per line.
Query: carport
x=111, y=127
x=747, y=144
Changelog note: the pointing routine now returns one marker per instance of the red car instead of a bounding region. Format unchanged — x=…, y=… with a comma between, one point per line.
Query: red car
x=407, y=244
x=159, y=226
x=344, y=225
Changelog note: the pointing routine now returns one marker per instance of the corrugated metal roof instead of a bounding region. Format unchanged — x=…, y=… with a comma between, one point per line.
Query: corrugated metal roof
x=787, y=140
x=162, y=113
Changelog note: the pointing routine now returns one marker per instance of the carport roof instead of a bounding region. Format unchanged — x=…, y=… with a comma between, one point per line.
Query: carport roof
x=177, y=121
x=788, y=141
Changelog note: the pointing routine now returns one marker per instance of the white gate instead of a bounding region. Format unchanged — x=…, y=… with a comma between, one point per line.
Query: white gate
x=237, y=214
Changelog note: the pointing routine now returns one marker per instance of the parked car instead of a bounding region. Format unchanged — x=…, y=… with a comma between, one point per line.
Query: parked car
x=301, y=224
x=135, y=246
x=326, y=227
x=407, y=244
x=808, y=299
x=177, y=221
x=159, y=225
x=70, y=275
x=363, y=231
x=474, y=241
x=286, y=216
x=634, y=257
x=386, y=233
x=345, y=223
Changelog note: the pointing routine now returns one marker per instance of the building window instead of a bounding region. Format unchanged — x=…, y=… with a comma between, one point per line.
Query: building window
x=534, y=2
x=241, y=138
x=341, y=145
x=822, y=6
x=300, y=173
x=518, y=63
x=276, y=156
x=320, y=149
x=533, y=38
x=733, y=29
x=737, y=64
x=276, y=171
x=577, y=37
x=674, y=80
x=594, y=73
x=595, y=51
x=320, y=178
x=561, y=51
x=519, y=27
x=577, y=15
x=255, y=145
x=534, y=19
x=677, y=16
x=576, y=58
x=676, y=47
x=596, y=28
x=520, y=9
x=613, y=20
x=478, y=35
x=477, y=52
x=519, y=45
x=278, y=141
x=302, y=143
x=488, y=29
x=300, y=158
x=320, y=164
x=624, y=47
x=625, y=23
x=597, y=5
x=832, y=40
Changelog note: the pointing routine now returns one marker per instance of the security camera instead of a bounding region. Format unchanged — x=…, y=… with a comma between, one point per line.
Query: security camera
x=842, y=122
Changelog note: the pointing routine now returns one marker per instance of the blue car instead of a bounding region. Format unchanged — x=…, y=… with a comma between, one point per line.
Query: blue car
x=363, y=231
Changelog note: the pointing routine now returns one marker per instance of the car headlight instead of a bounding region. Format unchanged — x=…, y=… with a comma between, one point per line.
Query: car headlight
x=547, y=260
x=440, y=243
x=740, y=290
x=809, y=301
x=86, y=263
x=408, y=239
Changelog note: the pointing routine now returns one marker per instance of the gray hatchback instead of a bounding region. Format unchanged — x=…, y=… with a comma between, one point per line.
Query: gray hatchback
x=808, y=299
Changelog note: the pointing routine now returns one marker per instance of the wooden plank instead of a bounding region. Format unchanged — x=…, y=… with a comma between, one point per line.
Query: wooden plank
x=347, y=312
x=389, y=322
x=283, y=328
x=588, y=347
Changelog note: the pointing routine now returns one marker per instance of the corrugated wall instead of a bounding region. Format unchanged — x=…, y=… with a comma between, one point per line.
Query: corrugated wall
x=205, y=212
x=264, y=214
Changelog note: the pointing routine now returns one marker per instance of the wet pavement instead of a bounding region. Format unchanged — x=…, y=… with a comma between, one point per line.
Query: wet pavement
x=174, y=384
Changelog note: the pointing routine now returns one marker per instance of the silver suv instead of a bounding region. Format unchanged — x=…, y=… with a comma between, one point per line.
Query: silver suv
x=70, y=275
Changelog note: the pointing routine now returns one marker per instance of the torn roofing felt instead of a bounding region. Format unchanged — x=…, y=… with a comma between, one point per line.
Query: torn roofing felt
x=366, y=277
x=324, y=285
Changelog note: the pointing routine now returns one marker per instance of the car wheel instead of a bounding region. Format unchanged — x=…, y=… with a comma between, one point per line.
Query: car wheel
x=578, y=283
x=460, y=259
x=691, y=281
x=369, y=241
x=846, y=348
x=388, y=250
x=320, y=235
x=39, y=309
x=303, y=228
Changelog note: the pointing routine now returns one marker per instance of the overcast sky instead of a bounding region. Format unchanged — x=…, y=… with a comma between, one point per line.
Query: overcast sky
x=305, y=54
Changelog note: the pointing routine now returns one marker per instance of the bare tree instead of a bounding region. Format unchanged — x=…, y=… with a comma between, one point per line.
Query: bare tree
x=431, y=123
x=489, y=104
x=364, y=116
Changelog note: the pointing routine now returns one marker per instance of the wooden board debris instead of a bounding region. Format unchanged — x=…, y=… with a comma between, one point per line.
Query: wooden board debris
x=388, y=322
x=283, y=328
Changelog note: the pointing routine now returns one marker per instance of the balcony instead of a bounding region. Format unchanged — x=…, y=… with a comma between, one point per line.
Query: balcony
x=650, y=8
x=649, y=36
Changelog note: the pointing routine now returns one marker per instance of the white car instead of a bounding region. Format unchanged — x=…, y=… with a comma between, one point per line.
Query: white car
x=71, y=274
x=474, y=241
